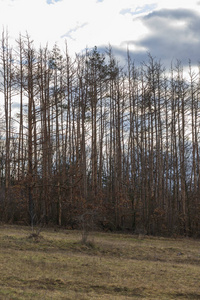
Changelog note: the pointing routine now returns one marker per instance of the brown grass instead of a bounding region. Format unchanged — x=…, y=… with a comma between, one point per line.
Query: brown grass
x=56, y=265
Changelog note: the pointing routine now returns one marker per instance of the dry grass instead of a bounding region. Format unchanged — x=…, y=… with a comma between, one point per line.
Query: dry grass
x=57, y=266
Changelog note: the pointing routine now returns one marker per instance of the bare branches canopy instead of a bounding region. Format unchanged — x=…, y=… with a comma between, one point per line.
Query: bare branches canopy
x=84, y=134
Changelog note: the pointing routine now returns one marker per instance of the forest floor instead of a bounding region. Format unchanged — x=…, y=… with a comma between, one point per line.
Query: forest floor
x=58, y=265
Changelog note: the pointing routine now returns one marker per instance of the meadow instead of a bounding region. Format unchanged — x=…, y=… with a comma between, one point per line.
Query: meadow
x=58, y=264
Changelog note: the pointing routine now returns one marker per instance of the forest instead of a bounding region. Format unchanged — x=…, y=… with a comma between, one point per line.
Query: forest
x=87, y=141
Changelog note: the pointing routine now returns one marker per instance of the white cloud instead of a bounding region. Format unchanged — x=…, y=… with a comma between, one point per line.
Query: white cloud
x=82, y=22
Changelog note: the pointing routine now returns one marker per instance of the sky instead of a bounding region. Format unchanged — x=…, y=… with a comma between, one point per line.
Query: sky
x=168, y=30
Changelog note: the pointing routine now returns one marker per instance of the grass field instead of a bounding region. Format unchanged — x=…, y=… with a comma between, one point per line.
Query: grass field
x=56, y=265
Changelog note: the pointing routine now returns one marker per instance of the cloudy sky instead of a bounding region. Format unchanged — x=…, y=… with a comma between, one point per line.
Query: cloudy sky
x=167, y=29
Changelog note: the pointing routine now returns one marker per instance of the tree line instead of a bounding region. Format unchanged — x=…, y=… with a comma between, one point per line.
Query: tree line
x=83, y=136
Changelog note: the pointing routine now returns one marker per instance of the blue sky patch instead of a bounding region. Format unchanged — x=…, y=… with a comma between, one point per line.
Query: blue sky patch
x=52, y=1
x=139, y=9
x=72, y=30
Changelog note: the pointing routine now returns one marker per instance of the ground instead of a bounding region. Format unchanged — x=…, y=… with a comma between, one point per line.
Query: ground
x=56, y=264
